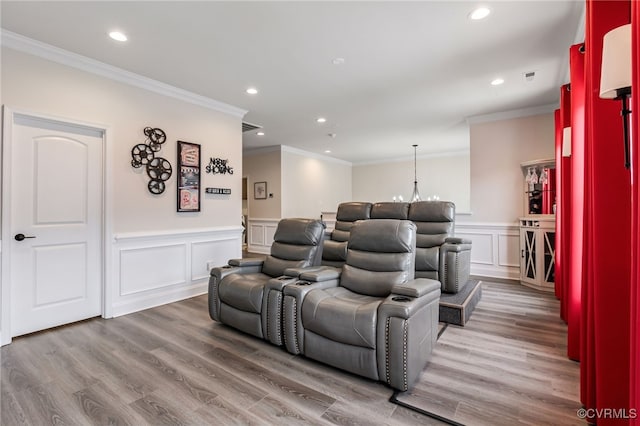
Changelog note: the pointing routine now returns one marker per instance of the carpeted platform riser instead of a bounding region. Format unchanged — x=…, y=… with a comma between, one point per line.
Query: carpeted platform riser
x=457, y=308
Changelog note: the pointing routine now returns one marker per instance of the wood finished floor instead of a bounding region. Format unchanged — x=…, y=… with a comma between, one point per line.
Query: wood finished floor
x=174, y=365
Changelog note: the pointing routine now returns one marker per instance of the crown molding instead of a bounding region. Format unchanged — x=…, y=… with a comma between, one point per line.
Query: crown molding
x=516, y=113
x=251, y=152
x=46, y=51
x=297, y=151
x=292, y=150
x=457, y=153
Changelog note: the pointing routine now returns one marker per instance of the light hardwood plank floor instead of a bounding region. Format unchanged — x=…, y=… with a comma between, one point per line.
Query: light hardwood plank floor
x=174, y=365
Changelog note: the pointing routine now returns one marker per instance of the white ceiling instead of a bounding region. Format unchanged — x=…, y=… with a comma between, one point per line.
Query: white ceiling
x=413, y=72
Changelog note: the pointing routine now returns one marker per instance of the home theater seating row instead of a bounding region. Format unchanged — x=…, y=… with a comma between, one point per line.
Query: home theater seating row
x=371, y=317
x=371, y=308
x=439, y=256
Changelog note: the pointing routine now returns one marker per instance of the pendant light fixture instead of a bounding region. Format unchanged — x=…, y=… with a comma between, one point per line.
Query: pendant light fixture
x=416, y=195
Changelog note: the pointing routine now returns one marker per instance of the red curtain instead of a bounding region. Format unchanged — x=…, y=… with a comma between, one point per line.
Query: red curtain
x=563, y=215
x=607, y=238
x=574, y=281
x=558, y=151
x=634, y=376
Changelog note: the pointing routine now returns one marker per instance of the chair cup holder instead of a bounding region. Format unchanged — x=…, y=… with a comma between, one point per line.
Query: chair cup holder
x=227, y=267
x=301, y=282
x=284, y=278
x=401, y=299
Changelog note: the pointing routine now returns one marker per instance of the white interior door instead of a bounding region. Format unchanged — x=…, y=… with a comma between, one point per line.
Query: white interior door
x=56, y=223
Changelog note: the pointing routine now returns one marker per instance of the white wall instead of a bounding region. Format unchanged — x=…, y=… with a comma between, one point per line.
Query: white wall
x=313, y=184
x=264, y=166
x=446, y=176
x=497, y=149
x=497, y=197
x=148, y=238
x=54, y=89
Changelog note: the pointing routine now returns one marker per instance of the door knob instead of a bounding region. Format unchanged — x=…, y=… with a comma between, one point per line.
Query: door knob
x=20, y=237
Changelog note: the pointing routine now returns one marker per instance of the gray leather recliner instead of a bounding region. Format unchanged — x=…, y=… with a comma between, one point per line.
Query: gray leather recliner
x=335, y=248
x=439, y=255
x=372, y=318
x=238, y=293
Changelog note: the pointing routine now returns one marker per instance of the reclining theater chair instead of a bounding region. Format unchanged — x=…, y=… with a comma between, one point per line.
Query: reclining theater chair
x=373, y=318
x=334, y=252
x=237, y=294
x=439, y=255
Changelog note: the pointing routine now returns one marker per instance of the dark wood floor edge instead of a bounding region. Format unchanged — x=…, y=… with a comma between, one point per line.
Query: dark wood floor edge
x=393, y=399
x=444, y=327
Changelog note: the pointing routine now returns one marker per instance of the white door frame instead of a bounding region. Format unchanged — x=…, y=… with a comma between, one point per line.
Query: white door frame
x=107, y=215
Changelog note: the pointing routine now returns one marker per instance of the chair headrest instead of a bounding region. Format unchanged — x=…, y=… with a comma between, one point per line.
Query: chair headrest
x=353, y=210
x=308, y=232
x=432, y=211
x=383, y=236
x=390, y=210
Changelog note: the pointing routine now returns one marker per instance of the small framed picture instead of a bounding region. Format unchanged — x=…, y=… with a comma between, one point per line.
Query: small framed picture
x=260, y=190
x=189, y=178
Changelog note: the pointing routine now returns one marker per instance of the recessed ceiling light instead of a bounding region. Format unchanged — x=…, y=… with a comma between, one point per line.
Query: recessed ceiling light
x=321, y=120
x=479, y=13
x=338, y=61
x=497, y=82
x=260, y=133
x=328, y=151
x=252, y=91
x=118, y=36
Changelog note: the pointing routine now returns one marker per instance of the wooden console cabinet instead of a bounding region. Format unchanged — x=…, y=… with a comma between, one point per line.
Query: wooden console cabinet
x=537, y=252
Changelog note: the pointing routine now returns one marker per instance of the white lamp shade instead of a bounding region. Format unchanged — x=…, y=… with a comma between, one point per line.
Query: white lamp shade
x=566, y=142
x=616, y=62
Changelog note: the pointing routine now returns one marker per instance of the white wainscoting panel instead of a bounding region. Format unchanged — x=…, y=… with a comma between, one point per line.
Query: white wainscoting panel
x=261, y=232
x=495, y=251
x=496, y=248
x=163, y=267
x=151, y=267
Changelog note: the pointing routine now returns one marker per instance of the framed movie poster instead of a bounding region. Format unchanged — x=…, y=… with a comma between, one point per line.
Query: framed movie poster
x=189, y=177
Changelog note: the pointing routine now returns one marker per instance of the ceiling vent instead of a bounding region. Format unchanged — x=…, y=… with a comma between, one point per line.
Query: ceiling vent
x=247, y=127
x=529, y=76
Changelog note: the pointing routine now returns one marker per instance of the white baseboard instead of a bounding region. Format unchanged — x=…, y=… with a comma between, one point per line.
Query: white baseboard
x=158, y=298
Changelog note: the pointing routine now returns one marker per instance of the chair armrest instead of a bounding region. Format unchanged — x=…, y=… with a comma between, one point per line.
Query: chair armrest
x=252, y=261
x=325, y=273
x=416, y=288
x=463, y=243
x=271, y=315
x=454, y=264
x=295, y=272
x=407, y=331
x=294, y=295
x=278, y=283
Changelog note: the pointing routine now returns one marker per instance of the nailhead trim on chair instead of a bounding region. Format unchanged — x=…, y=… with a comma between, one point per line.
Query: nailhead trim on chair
x=215, y=298
x=278, y=303
x=405, y=339
x=405, y=331
x=386, y=351
x=457, y=280
x=295, y=324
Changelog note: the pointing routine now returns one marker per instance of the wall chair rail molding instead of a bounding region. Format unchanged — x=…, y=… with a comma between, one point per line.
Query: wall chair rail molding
x=33, y=47
x=496, y=248
x=156, y=268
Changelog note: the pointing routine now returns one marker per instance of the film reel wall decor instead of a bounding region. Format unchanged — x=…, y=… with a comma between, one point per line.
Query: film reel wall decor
x=144, y=154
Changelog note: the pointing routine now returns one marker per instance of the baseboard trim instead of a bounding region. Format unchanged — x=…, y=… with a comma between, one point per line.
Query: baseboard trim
x=159, y=298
